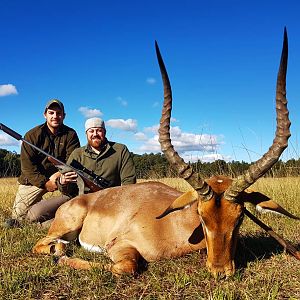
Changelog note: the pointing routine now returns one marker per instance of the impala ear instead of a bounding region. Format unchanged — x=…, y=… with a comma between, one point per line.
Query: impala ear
x=264, y=204
x=272, y=206
x=185, y=200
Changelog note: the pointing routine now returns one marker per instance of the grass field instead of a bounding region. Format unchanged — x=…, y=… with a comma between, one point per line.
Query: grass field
x=265, y=271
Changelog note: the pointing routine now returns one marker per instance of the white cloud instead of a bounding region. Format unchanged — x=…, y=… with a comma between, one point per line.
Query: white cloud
x=214, y=157
x=151, y=145
x=122, y=101
x=140, y=136
x=151, y=80
x=8, y=89
x=153, y=129
x=192, y=157
x=127, y=125
x=185, y=141
x=6, y=140
x=189, y=145
x=89, y=113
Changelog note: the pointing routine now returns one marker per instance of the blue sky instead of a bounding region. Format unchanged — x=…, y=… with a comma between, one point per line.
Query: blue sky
x=98, y=58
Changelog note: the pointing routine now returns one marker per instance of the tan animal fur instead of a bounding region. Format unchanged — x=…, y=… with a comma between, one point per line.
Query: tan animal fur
x=123, y=223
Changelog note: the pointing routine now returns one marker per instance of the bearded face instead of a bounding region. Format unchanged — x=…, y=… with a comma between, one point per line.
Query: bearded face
x=96, y=137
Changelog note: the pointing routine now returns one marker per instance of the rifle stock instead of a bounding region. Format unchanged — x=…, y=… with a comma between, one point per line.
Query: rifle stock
x=96, y=184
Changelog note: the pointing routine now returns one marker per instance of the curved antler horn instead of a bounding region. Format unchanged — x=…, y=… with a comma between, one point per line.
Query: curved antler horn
x=184, y=170
x=280, y=142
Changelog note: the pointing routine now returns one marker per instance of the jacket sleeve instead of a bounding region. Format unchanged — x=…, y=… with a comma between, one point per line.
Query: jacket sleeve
x=73, y=143
x=127, y=172
x=31, y=164
x=70, y=189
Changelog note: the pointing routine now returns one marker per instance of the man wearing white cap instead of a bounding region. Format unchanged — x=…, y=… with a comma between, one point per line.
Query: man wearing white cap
x=38, y=174
x=110, y=160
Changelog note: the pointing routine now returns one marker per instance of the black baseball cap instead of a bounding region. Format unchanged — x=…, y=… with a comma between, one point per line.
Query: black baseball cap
x=55, y=102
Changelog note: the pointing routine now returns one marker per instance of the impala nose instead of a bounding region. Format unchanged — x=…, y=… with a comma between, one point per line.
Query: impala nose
x=221, y=271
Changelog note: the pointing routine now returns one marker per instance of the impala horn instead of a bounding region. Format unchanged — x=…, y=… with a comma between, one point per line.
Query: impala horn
x=184, y=170
x=280, y=142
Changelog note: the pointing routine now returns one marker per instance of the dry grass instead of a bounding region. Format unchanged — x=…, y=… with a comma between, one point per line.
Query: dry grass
x=265, y=271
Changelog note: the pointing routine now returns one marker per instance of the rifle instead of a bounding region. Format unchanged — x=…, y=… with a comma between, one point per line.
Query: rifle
x=93, y=181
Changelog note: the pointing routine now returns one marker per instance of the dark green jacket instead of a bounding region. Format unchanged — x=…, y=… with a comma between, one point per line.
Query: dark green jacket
x=114, y=163
x=35, y=167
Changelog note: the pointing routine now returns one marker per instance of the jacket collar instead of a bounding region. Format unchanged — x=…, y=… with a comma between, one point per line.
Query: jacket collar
x=104, y=148
x=61, y=129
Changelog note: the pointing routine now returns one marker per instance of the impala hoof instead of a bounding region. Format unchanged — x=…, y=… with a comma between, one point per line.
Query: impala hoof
x=55, y=259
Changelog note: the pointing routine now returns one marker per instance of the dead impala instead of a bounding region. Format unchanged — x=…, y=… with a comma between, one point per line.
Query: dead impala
x=122, y=221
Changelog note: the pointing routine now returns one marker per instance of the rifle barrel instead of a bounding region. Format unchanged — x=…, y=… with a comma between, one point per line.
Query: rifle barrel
x=94, y=184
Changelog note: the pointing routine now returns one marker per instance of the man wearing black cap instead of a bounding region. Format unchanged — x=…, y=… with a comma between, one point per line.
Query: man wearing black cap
x=38, y=174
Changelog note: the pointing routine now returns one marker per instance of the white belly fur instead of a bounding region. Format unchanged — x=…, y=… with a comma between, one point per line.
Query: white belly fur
x=91, y=248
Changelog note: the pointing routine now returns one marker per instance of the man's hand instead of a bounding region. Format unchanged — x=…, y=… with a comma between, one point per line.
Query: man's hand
x=50, y=186
x=54, y=176
x=68, y=177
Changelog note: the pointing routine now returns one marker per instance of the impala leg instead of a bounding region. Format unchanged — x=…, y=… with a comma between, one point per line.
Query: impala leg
x=66, y=226
x=78, y=263
x=50, y=245
x=125, y=260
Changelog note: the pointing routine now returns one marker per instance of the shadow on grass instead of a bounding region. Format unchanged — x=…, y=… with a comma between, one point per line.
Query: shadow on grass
x=256, y=247
x=250, y=248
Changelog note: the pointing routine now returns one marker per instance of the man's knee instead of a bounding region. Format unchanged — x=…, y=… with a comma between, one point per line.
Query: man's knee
x=45, y=209
x=26, y=197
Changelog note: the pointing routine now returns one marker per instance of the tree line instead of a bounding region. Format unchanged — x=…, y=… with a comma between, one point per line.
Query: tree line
x=152, y=166
x=10, y=165
x=156, y=166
